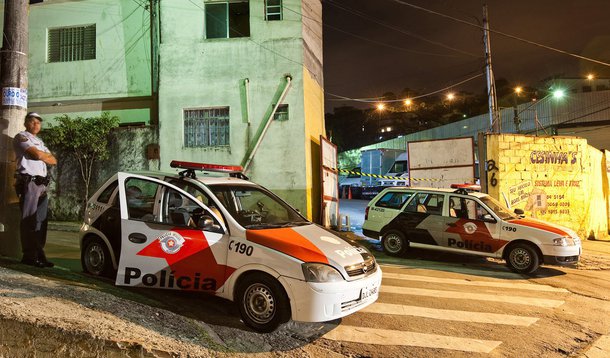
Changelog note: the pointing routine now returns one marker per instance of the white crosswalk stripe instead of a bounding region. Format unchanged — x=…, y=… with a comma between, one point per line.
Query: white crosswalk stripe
x=404, y=338
x=450, y=315
x=453, y=281
x=454, y=289
x=519, y=300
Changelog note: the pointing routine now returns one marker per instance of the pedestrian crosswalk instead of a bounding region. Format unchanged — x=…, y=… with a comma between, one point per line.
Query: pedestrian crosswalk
x=437, y=299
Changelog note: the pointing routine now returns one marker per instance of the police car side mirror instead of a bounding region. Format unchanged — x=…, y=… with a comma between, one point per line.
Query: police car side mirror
x=519, y=211
x=488, y=218
x=206, y=223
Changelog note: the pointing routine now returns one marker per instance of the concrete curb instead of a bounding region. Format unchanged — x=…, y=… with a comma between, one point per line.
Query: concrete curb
x=64, y=226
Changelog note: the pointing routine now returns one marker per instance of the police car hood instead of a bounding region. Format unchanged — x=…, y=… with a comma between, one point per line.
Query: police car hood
x=551, y=229
x=310, y=243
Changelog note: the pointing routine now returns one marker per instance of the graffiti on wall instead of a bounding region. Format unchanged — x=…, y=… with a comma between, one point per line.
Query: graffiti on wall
x=544, y=196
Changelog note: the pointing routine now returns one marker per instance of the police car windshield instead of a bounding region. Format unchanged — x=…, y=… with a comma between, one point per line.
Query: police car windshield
x=256, y=208
x=503, y=212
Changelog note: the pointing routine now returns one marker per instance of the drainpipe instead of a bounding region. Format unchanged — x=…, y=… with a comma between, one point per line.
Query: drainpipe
x=269, y=120
x=247, y=84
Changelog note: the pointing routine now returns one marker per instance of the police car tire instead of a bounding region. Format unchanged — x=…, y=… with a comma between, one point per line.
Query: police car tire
x=394, y=243
x=95, y=258
x=263, y=293
x=522, y=258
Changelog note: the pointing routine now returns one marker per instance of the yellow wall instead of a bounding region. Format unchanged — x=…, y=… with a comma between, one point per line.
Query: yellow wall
x=556, y=179
x=314, y=127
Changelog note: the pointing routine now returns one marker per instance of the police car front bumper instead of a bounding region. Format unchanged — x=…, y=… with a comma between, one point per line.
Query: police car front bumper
x=561, y=255
x=319, y=302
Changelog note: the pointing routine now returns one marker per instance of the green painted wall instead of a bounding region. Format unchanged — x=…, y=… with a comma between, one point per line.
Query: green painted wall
x=122, y=64
x=195, y=72
x=212, y=73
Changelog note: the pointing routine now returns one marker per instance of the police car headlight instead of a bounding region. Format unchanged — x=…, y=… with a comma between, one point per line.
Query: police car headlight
x=315, y=272
x=564, y=241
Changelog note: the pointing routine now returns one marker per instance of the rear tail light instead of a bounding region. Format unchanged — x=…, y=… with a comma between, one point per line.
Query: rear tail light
x=366, y=213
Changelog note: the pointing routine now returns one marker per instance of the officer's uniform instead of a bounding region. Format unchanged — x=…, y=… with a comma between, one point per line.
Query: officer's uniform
x=31, y=186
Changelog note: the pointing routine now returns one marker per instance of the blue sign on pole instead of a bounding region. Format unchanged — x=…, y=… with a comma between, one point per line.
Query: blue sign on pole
x=13, y=96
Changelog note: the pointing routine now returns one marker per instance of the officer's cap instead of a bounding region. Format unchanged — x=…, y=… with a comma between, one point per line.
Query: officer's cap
x=34, y=115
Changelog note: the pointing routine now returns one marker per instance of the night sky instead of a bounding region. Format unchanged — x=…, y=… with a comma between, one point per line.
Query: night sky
x=364, y=67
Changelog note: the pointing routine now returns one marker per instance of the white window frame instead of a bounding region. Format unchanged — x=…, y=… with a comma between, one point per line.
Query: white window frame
x=274, y=10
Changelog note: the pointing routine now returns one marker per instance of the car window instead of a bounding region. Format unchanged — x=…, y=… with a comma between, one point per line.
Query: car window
x=105, y=196
x=256, y=208
x=393, y=200
x=140, y=195
x=426, y=203
x=179, y=210
x=500, y=210
x=202, y=196
x=466, y=208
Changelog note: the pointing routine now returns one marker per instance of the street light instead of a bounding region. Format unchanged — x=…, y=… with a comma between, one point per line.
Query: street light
x=450, y=96
x=380, y=106
x=558, y=93
x=590, y=76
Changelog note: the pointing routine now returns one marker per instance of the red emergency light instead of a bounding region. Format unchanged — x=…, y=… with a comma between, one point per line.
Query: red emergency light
x=467, y=186
x=190, y=167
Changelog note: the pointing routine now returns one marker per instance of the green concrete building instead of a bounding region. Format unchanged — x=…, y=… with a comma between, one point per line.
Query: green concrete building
x=226, y=82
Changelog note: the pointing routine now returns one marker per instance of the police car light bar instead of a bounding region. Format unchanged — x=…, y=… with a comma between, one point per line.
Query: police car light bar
x=190, y=167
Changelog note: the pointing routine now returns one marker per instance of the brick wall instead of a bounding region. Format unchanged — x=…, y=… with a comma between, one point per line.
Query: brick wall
x=557, y=179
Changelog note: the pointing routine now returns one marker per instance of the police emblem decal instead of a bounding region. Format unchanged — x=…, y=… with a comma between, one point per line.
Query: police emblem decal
x=470, y=228
x=171, y=242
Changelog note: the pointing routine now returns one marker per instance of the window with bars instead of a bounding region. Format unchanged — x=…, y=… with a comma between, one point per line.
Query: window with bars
x=273, y=10
x=68, y=44
x=281, y=113
x=206, y=127
x=227, y=19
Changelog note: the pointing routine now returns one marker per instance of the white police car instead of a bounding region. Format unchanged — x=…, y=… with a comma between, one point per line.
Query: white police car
x=226, y=236
x=463, y=222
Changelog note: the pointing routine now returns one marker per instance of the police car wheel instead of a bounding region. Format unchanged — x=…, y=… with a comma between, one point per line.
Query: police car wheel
x=522, y=258
x=394, y=243
x=95, y=258
x=263, y=303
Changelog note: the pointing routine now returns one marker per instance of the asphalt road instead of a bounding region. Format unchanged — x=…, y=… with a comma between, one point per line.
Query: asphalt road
x=431, y=304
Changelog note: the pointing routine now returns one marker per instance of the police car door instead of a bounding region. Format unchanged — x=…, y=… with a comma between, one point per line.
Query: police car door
x=470, y=226
x=169, y=239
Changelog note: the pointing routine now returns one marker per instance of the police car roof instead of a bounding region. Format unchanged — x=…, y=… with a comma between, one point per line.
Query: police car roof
x=441, y=190
x=201, y=177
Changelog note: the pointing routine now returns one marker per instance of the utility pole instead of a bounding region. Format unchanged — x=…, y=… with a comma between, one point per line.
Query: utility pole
x=13, y=84
x=494, y=118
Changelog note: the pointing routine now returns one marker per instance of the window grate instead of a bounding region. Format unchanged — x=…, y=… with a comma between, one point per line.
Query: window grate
x=207, y=127
x=69, y=44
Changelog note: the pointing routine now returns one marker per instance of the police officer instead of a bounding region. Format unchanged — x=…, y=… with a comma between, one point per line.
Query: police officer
x=31, y=186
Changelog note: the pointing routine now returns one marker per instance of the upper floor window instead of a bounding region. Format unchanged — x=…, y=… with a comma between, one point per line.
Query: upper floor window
x=207, y=127
x=72, y=43
x=273, y=10
x=227, y=19
x=281, y=113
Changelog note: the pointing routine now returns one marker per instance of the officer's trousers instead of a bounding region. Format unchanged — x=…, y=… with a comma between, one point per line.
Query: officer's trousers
x=34, y=204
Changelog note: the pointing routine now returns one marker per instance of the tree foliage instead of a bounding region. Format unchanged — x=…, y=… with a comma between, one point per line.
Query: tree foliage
x=86, y=139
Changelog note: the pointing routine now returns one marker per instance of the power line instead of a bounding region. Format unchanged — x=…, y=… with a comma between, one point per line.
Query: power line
x=408, y=33
x=366, y=38
x=502, y=33
x=366, y=100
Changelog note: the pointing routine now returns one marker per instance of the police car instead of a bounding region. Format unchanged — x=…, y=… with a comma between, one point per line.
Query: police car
x=466, y=222
x=225, y=236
